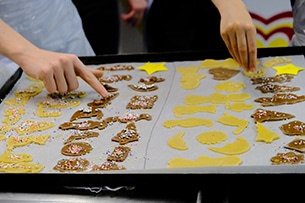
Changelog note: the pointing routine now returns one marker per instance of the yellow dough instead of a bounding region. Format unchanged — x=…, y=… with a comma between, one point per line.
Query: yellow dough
x=192, y=99
x=20, y=167
x=188, y=123
x=264, y=134
x=41, y=112
x=212, y=137
x=190, y=78
x=59, y=103
x=2, y=137
x=230, y=120
x=18, y=141
x=17, y=101
x=239, y=106
x=276, y=60
x=202, y=161
x=212, y=63
x=230, y=86
x=216, y=98
x=13, y=115
x=5, y=128
x=241, y=145
x=30, y=126
x=191, y=109
x=177, y=141
x=239, y=97
x=10, y=157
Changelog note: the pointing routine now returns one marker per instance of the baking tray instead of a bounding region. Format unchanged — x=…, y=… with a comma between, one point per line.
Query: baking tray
x=150, y=174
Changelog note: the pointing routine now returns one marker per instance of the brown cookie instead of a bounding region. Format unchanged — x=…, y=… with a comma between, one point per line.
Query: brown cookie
x=261, y=115
x=142, y=102
x=73, y=164
x=68, y=95
x=76, y=149
x=273, y=88
x=77, y=135
x=87, y=113
x=223, y=73
x=287, y=158
x=142, y=87
x=119, y=154
x=293, y=128
x=116, y=67
x=128, y=117
x=297, y=145
x=129, y=134
x=84, y=125
x=150, y=80
x=115, y=78
x=108, y=166
x=280, y=99
x=278, y=78
x=103, y=102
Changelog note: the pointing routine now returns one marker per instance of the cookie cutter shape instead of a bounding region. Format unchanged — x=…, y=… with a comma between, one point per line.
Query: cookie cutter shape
x=119, y=153
x=76, y=149
x=129, y=134
x=297, y=145
x=261, y=115
x=87, y=113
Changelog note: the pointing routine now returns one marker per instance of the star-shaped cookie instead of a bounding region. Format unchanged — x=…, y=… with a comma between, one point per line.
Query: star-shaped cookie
x=288, y=69
x=150, y=68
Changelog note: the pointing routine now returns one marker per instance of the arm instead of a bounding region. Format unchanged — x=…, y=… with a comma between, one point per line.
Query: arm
x=238, y=32
x=136, y=12
x=58, y=71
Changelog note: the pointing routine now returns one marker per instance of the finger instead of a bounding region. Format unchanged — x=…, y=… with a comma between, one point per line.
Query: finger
x=71, y=78
x=252, y=50
x=243, y=49
x=50, y=84
x=60, y=81
x=231, y=46
x=97, y=73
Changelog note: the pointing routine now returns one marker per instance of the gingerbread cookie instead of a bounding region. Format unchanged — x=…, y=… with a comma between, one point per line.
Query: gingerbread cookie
x=273, y=88
x=76, y=149
x=76, y=164
x=297, y=145
x=81, y=134
x=84, y=125
x=68, y=95
x=114, y=78
x=129, y=134
x=108, y=166
x=280, y=99
x=150, y=80
x=261, y=115
x=116, y=67
x=142, y=102
x=293, y=128
x=103, y=102
x=128, y=117
x=119, y=154
x=87, y=113
x=278, y=78
x=109, y=88
x=142, y=87
x=223, y=73
x=287, y=158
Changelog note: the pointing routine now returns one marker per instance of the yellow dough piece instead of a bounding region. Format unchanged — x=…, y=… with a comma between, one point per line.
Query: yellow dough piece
x=202, y=161
x=239, y=106
x=5, y=128
x=241, y=145
x=212, y=137
x=191, y=109
x=2, y=137
x=190, y=78
x=41, y=112
x=18, y=141
x=218, y=98
x=17, y=101
x=20, y=167
x=212, y=63
x=177, y=141
x=276, y=60
x=258, y=73
x=192, y=99
x=230, y=86
x=13, y=115
x=188, y=123
x=230, y=120
x=239, y=97
x=10, y=157
x=264, y=134
x=30, y=126
x=59, y=103
x=30, y=91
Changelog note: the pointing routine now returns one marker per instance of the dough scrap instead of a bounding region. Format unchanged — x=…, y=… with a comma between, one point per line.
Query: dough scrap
x=241, y=145
x=264, y=134
x=177, y=141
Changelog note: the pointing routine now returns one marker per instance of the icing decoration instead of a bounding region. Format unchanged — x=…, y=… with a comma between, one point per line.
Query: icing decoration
x=288, y=69
x=151, y=68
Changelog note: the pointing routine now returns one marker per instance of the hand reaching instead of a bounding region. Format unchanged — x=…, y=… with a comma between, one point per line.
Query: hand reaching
x=136, y=12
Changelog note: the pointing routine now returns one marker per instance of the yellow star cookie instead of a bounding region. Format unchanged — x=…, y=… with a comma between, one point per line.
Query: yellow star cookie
x=288, y=69
x=150, y=68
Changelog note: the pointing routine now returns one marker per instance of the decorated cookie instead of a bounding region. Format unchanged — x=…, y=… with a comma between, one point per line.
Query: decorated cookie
x=116, y=67
x=129, y=134
x=87, y=112
x=75, y=164
x=297, y=145
x=68, y=95
x=278, y=79
x=292, y=128
x=109, y=88
x=273, y=88
x=142, y=87
x=108, y=166
x=114, y=78
x=103, y=102
x=287, y=158
x=280, y=99
x=76, y=149
x=83, y=125
x=119, y=154
x=142, y=102
x=150, y=80
x=81, y=134
x=262, y=115
x=128, y=117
